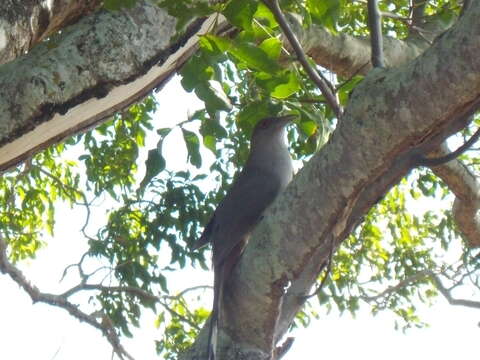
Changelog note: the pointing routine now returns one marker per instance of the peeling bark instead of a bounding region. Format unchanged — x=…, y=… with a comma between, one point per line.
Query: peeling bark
x=25, y=23
x=60, y=88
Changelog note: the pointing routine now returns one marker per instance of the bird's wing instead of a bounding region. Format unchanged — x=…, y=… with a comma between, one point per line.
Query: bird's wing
x=241, y=209
x=206, y=236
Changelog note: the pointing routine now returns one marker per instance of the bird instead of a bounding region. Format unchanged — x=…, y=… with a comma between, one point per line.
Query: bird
x=266, y=173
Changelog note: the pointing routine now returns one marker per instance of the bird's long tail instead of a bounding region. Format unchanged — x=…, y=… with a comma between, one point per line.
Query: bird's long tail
x=214, y=317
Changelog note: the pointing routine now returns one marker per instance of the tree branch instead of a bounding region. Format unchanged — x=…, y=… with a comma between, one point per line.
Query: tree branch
x=376, y=39
x=435, y=278
x=430, y=162
x=463, y=183
x=61, y=302
x=315, y=76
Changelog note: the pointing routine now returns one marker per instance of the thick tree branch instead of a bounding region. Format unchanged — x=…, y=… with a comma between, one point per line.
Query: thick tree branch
x=125, y=54
x=405, y=109
x=346, y=55
x=24, y=23
x=464, y=184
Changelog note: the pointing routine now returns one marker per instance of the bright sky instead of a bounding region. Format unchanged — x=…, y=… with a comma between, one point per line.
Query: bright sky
x=41, y=332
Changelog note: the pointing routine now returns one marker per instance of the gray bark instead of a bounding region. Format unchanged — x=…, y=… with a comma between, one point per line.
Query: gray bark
x=81, y=77
x=108, y=60
x=23, y=23
x=393, y=116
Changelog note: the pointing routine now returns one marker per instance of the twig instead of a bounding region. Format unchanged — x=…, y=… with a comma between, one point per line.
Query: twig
x=315, y=76
x=394, y=16
x=123, y=289
x=436, y=282
x=376, y=39
x=447, y=295
x=73, y=192
x=59, y=301
x=423, y=161
x=174, y=313
x=392, y=289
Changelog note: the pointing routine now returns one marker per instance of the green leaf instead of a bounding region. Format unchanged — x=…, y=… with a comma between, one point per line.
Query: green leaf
x=272, y=47
x=196, y=71
x=308, y=127
x=249, y=54
x=154, y=164
x=280, y=85
x=193, y=147
x=240, y=13
x=325, y=12
x=251, y=113
x=264, y=14
x=254, y=57
x=285, y=89
x=210, y=143
x=213, y=97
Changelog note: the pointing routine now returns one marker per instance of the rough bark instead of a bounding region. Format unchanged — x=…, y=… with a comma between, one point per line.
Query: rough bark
x=60, y=87
x=348, y=56
x=24, y=23
x=464, y=184
x=392, y=117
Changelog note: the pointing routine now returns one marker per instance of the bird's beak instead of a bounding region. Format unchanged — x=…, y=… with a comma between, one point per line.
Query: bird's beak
x=285, y=119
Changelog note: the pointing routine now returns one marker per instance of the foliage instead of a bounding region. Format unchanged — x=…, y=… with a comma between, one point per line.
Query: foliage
x=241, y=79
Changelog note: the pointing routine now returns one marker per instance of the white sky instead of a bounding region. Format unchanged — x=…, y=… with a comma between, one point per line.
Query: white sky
x=41, y=332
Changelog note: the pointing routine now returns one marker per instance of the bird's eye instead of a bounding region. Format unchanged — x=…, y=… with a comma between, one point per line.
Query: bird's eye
x=264, y=124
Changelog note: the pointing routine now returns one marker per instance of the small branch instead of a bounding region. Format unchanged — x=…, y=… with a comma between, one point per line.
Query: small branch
x=430, y=162
x=281, y=350
x=466, y=5
x=141, y=294
x=394, y=16
x=61, y=302
x=72, y=194
x=376, y=39
x=322, y=83
x=193, y=288
x=124, y=289
x=418, y=12
x=420, y=276
x=392, y=289
x=446, y=293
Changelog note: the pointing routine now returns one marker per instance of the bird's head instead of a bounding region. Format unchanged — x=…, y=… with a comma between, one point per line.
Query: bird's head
x=271, y=128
